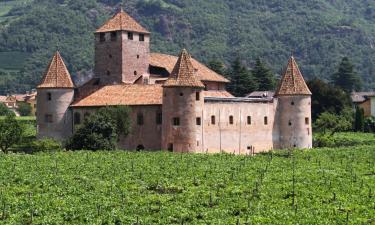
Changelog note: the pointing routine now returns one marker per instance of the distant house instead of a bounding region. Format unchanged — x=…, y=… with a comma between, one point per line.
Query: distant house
x=366, y=101
x=12, y=101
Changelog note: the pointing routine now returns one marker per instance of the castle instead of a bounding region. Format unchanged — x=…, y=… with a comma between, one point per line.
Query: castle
x=177, y=103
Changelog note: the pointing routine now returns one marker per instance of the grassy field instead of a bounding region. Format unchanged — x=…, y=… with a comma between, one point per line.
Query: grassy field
x=323, y=186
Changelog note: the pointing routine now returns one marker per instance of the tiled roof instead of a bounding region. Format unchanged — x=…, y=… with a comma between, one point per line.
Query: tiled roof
x=168, y=62
x=123, y=94
x=218, y=94
x=3, y=98
x=122, y=21
x=183, y=73
x=359, y=97
x=292, y=82
x=56, y=75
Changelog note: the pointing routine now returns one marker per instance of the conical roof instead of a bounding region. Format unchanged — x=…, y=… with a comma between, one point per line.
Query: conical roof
x=122, y=21
x=292, y=82
x=56, y=75
x=183, y=74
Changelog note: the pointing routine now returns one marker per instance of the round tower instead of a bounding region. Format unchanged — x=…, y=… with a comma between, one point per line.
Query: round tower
x=54, y=96
x=294, y=109
x=182, y=107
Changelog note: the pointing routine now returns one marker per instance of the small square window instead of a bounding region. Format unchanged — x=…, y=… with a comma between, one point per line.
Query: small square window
x=249, y=120
x=113, y=36
x=307, y=121
x=265, y=120
x=141, y=37
x=102, y=37
x=198, y=120
x=130, y=36
x=135, y=73
x=176, y=121
x=197, y=96
x=231, y=120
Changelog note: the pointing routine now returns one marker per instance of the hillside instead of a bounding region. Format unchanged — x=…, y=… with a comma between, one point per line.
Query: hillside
x=318, y=32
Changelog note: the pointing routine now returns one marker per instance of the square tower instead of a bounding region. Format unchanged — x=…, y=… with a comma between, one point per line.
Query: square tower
x=122, y=50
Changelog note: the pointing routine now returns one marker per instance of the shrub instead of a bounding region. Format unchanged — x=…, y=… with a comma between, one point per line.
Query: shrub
x=369, y=124
x=5, y=110
x=45, y=145
x=10, y=132
x=24, y=109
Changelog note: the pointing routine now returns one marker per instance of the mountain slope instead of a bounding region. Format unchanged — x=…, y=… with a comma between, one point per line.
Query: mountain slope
x=317, y=32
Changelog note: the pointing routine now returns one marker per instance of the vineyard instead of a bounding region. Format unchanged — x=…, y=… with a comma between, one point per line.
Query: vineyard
x=323, y=186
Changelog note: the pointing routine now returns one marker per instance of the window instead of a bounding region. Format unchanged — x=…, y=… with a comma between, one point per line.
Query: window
x=205, y=87
x=307, y=121
x=48, y=118
x=113, y=36
x=137, y=56
x=130, y=35
x=198, y=120
x=49, y=96
x=213, y=120
x=110, y=56
x=265, y=120
x=77, y=118
x=248, y=120
x=230, y=119
x=140, y=119
x=181, y=94
x=170, y=147
x=102, y=37
x=176, y=121
x=292, y=103
x=141, y=37
x=159, y=118
x=135, y=73
x=290, y=123
x=197, y=96
x=108, y=73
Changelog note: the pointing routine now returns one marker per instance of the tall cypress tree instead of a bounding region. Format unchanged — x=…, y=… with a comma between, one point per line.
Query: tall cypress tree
x=217, y=66
x=264, y=76
x=242, y=81
x=346, y=78
x=359, y=123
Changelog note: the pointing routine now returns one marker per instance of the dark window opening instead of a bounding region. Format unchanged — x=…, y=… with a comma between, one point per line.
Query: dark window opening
x=108, y=73
x=130, y=36
x=110, y=56
x=205, y=87
x=181, y=94
x=265, y=120
x=290, y=123
x=199, y=121
x=170, y=147
x=77, y=118
x=292, y=103
x=49, y=96
x=135, y=73
x=159, y=118
x=249, y=120
x=141, y=37
x=140, y=148
x=176, y=121
x=137, y=56
x=230, y=119
x=307, y=121
x=213, y=120
x=197, y=96
x=113, y=36
x=102, y=37
x=48, y=118
x=140, y=119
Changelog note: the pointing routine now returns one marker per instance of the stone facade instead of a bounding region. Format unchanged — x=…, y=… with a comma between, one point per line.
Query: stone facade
x=187, y=110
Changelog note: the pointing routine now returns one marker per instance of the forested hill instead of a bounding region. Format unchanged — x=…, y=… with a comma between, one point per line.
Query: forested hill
x=318, y=32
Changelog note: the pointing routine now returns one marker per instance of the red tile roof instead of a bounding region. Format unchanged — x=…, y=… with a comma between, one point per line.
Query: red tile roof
x=123, y=94
x=56, y=75
x=218, y=94
x=292, y=82
x=168, y=62
x=122, y=21
x=183, y=73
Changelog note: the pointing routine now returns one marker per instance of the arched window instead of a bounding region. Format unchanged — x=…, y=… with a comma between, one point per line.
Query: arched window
x=77, y=118
x=213, y=120
x=49, y=96
x=231, y=120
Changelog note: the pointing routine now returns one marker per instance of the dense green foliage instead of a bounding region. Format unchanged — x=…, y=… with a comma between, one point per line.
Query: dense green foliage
x=4, y=110
x=263, y=75
x=24, y=109
x=343, y=139
x=10, y=132
x=101, y=130
x=331, y=123
x=325, y=186
x=327, y=98
x=346, y=78
x=319, y=33
x=359, y=120
x=242, y=80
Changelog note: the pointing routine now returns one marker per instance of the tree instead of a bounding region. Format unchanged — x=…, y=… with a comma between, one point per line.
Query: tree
x=327, y=98
x=4, y=110
x=346, y=78
x=24, y=109
x=330, y=123
x=359, y=122
x=264, y=76
x=217, y=66
x=242, y=82
x=101, y=130
x=10, y=132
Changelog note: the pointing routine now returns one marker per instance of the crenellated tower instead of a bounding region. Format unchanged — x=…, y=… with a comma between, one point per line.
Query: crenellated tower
x=294, y=109
x=54, y=96
x=182, y=107
x=122, y=50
